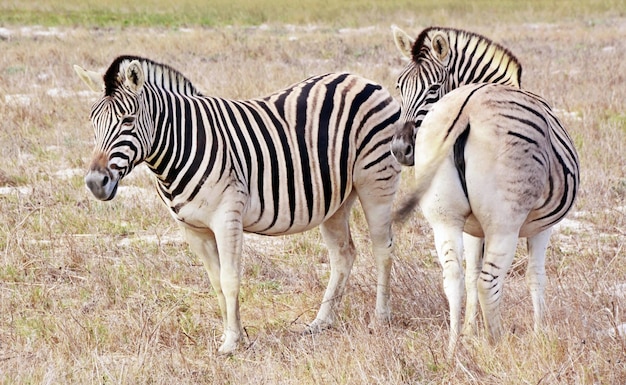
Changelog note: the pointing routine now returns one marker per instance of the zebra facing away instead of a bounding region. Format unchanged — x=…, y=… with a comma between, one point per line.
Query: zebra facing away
x=492, y=163
x=443, y=59
x=276, y=165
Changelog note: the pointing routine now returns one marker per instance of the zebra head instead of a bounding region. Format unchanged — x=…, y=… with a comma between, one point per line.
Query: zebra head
x=420, y=85
x=425, y=78
x=442, y=59
x=121, y=142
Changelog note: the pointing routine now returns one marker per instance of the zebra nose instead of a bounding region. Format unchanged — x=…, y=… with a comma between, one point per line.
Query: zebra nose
x=101, y=186
x=403, y=152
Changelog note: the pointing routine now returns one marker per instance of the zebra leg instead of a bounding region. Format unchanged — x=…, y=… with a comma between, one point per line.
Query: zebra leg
x=378, y=215
x=229, y=237
x=202, y=243
x=446, y=208
x=536, y=274
x=473, y=251
x=499, y=254
x=223, y=271
x=336, y=233
x=449, y=244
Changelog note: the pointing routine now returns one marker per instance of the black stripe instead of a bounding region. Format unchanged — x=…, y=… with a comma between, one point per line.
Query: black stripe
x=565, y=199
x=522, y=137
x=230, y=125
x=485, y=68
x=260, y=163
x=503, y=74
x=198, y=128
x=323, y=138
x=356, y=104
x=288, y=165
x=477, y=63
x=171, y=142
x=373, y=131
x=459, y=157
x=241, y=139
x=301, y=121
x=273, y=166
x=527, y=122
x=463, y=107
x=462, y=59
x=531, y=110
x=378, y=160
x=469, y=60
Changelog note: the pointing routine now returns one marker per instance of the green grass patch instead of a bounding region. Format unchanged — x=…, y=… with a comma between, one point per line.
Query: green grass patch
x=119, y=13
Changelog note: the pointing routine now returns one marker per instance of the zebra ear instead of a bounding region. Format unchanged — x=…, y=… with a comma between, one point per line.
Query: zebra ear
x=134, y=77
x=94, y=80
x=441, y=48
x=403, y=41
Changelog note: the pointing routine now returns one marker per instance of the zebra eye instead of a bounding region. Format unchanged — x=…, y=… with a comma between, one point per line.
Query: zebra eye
x=128, y=120
x=434, y=88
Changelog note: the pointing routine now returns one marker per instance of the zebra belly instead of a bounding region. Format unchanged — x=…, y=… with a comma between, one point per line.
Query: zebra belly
x=473, y=227
x=528, y=229
x=283, y=221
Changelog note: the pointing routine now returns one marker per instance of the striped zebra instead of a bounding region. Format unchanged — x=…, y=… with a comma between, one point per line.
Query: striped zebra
x=281, y=164
x=492, y=163
x=443, y=59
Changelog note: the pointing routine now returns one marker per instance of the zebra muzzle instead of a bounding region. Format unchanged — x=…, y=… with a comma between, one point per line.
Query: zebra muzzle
x=100, y=180
x=402, y=144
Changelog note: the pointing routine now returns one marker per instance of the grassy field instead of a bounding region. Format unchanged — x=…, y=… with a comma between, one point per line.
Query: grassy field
x=108, y=293
x=115, y=13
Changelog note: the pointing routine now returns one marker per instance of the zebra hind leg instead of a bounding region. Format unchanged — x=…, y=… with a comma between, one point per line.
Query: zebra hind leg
x=499, y=254
x=342, y=253
x=536, y=274
x=378, y=215
x=473, y=251
x=449, y=245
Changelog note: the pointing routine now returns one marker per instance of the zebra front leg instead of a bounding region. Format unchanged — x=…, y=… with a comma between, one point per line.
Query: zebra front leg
x=536, y=274
x=473, y=248
x=203, y=244
x=499, y=254
x=449, y=244
x=222, y=266
x=342, y=253
x=229, y=238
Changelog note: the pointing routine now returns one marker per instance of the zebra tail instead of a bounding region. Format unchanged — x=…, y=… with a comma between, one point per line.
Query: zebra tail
x=404, y=211
x=435, y=142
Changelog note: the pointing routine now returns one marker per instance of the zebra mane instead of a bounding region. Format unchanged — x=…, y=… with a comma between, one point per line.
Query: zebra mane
x=421, y=47
x=155, y=73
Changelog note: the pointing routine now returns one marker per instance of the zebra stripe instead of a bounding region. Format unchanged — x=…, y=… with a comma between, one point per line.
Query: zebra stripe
x=493, y=163
x=275, y=165
x=443, y=59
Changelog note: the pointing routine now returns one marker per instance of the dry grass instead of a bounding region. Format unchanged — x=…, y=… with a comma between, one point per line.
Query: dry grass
x=94, y=292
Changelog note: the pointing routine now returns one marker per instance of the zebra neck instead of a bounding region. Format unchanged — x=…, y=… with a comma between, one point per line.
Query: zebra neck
x=175, y=144
x=479, y=60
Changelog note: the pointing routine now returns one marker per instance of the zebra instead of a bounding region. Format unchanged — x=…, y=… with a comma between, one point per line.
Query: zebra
x=276, y=165
x=443, y=59
x=492, y=163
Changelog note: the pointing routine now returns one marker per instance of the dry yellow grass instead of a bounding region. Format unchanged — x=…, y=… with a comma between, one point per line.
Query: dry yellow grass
x=95, y=292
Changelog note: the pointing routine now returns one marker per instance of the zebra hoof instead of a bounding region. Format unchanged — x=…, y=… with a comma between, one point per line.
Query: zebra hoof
x=230, y=343
x=317, y=326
